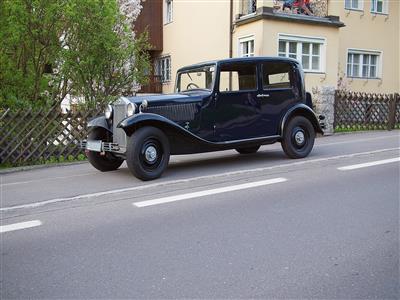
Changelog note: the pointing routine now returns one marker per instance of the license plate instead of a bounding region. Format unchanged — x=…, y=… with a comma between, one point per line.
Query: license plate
x=93, y=146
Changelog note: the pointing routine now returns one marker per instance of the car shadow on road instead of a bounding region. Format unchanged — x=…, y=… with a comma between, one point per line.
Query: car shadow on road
x=228, y=161
x=193, y=165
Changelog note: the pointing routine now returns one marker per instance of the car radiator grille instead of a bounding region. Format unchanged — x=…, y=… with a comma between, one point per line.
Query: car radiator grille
x=180, y=112
x=119, y=135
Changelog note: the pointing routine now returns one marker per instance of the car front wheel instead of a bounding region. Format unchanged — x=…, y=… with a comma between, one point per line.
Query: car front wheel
x=298, y=137
x=147, y=153
x=107, y=161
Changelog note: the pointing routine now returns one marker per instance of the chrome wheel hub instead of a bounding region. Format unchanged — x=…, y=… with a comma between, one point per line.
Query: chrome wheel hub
x=150, y=154
x=299, y=137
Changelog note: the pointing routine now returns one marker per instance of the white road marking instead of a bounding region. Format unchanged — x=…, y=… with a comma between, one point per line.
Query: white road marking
x=91, y=173
x=209, y=192
x=18, y=226
x=185, y=180
x=369, y=164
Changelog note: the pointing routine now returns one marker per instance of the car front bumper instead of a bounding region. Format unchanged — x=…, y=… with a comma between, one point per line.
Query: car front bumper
x=100, y=146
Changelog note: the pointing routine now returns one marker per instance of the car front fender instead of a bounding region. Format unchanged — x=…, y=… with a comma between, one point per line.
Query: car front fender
x=130, y=124
x=183, y=141
x=99, y=121
x=300, y=110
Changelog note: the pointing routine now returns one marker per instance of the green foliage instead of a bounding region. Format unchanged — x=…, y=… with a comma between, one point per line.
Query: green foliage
x=29, y=41
x=86, y=43
x=359, y=127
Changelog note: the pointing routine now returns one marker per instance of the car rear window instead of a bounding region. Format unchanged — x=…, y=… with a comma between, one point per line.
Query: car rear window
x=277, y=75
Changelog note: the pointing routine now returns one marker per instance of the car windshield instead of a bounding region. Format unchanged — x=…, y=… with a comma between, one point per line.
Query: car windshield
x=196, y=78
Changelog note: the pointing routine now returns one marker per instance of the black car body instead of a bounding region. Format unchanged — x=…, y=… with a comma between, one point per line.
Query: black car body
x=239, y=103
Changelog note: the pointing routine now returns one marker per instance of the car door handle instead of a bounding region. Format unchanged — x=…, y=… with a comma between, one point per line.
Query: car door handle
x=262, y=95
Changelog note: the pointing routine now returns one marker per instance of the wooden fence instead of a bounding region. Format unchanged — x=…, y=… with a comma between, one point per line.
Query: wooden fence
x=366, y=111
x=31, y=137
x=46, y=135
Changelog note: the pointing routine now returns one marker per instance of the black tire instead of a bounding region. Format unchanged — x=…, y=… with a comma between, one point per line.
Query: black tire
x=248, y=150
x=107, y=162
x=298, y=137
x=142, y=161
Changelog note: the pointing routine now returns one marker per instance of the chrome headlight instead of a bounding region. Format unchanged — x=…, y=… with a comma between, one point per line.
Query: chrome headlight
x=143, y=106
x=108, y=111
x=130, y=109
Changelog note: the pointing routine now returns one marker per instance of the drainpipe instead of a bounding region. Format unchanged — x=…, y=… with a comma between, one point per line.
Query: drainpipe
x=230, y=27
x=230, y=38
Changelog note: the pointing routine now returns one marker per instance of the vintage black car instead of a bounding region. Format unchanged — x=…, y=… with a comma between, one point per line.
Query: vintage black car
x=239, y=103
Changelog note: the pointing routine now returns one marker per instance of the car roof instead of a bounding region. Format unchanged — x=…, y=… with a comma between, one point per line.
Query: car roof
x=240, y=59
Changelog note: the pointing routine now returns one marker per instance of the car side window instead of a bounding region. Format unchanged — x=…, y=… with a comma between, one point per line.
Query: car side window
x=238, y=77
x=277, y=75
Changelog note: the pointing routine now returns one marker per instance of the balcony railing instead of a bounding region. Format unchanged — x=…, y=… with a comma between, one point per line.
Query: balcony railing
x=317, y=8
x=154, y=85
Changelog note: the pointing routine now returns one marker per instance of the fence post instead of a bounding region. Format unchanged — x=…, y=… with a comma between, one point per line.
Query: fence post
x=324, y=101
x=392, y=112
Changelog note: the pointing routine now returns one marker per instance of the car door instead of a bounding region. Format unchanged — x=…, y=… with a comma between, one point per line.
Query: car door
x=236, y=107
x=279, y=91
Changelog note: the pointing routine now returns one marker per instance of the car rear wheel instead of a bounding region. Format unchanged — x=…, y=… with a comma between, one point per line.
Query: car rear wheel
x=147, y=153
x=298, y=137
x=106, y=162
x=248, y=150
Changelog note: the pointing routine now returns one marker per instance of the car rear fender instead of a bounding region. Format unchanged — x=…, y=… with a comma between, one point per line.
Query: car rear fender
x=300, y=110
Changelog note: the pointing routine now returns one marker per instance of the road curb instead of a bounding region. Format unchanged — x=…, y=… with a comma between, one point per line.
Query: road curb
x=37, y=167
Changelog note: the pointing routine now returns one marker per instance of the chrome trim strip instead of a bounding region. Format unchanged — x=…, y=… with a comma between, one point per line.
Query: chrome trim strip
x=248, y=140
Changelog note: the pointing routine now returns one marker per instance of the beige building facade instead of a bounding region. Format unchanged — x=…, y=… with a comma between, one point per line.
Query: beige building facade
x=346, y=44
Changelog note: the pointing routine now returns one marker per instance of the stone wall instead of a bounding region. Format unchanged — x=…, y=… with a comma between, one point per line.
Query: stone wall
x=324, y=104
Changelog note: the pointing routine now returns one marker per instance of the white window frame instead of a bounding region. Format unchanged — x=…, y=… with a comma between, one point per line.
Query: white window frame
x=385, y=7
x=162, y=70
x=300, y=39
x=246, y=39
x=351, y=7
x=362, y=52
x=168, y=11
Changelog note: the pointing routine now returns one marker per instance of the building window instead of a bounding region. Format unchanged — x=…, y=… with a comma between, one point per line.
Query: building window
x=306, y=50
x=246, y=47
x=379, y=6
x=248, y=7
x=163, y=68
x=363, y=64
x=168, y=11
x=353, y=4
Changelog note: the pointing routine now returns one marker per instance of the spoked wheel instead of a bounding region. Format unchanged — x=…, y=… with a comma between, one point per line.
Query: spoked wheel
x=106, y=162
x=298, y=137
x=248, y=150
x=147, y=153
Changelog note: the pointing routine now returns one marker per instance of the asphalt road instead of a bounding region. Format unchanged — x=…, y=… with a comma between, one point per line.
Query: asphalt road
x=216, y=225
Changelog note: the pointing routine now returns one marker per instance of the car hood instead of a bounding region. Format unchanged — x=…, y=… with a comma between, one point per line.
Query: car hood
x=165, y=99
